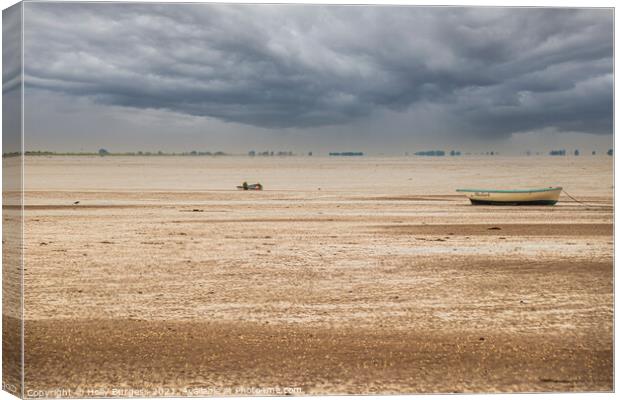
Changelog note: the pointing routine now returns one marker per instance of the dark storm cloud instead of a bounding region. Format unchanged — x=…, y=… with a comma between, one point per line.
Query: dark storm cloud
x=493, y=72
x=11, y=80
x=11, y=48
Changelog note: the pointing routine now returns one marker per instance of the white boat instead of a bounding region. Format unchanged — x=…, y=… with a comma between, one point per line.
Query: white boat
x=546, y=196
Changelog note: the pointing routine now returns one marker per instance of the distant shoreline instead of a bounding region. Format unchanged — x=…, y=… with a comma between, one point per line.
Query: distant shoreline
x=424, y=154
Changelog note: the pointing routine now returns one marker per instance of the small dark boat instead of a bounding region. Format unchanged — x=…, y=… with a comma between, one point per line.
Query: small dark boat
x=254, y=186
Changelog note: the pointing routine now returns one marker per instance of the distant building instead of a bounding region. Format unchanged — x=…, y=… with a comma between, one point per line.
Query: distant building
x=557, y=153
x=251, y=153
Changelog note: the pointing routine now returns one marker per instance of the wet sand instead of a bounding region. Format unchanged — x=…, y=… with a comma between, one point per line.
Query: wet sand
x=358, y=282
x=186, y=357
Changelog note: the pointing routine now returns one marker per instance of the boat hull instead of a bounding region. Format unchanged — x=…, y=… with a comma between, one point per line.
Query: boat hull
x=513, y=203
x=528, y=197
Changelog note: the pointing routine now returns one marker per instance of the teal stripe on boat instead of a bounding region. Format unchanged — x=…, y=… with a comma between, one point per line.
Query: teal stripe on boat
x=510, y=191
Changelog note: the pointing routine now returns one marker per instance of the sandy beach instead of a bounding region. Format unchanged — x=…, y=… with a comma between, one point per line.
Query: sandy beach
x=345, y=275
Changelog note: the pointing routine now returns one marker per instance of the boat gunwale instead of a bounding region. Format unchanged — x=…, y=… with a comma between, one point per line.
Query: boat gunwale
x=550, y=189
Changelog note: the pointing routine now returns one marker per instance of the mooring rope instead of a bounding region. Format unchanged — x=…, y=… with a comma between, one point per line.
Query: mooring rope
x=581, y=202
x=572, y=198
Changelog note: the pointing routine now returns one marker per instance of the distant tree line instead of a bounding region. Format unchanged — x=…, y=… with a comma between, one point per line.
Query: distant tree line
x=431, y=153
x=270, y=153
x=104, y=152
x=346, y=154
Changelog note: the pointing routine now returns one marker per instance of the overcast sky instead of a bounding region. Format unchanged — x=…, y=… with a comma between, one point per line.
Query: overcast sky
x=379, y=79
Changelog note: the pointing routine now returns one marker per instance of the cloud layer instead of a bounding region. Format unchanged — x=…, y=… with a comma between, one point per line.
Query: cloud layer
x=479, y=72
